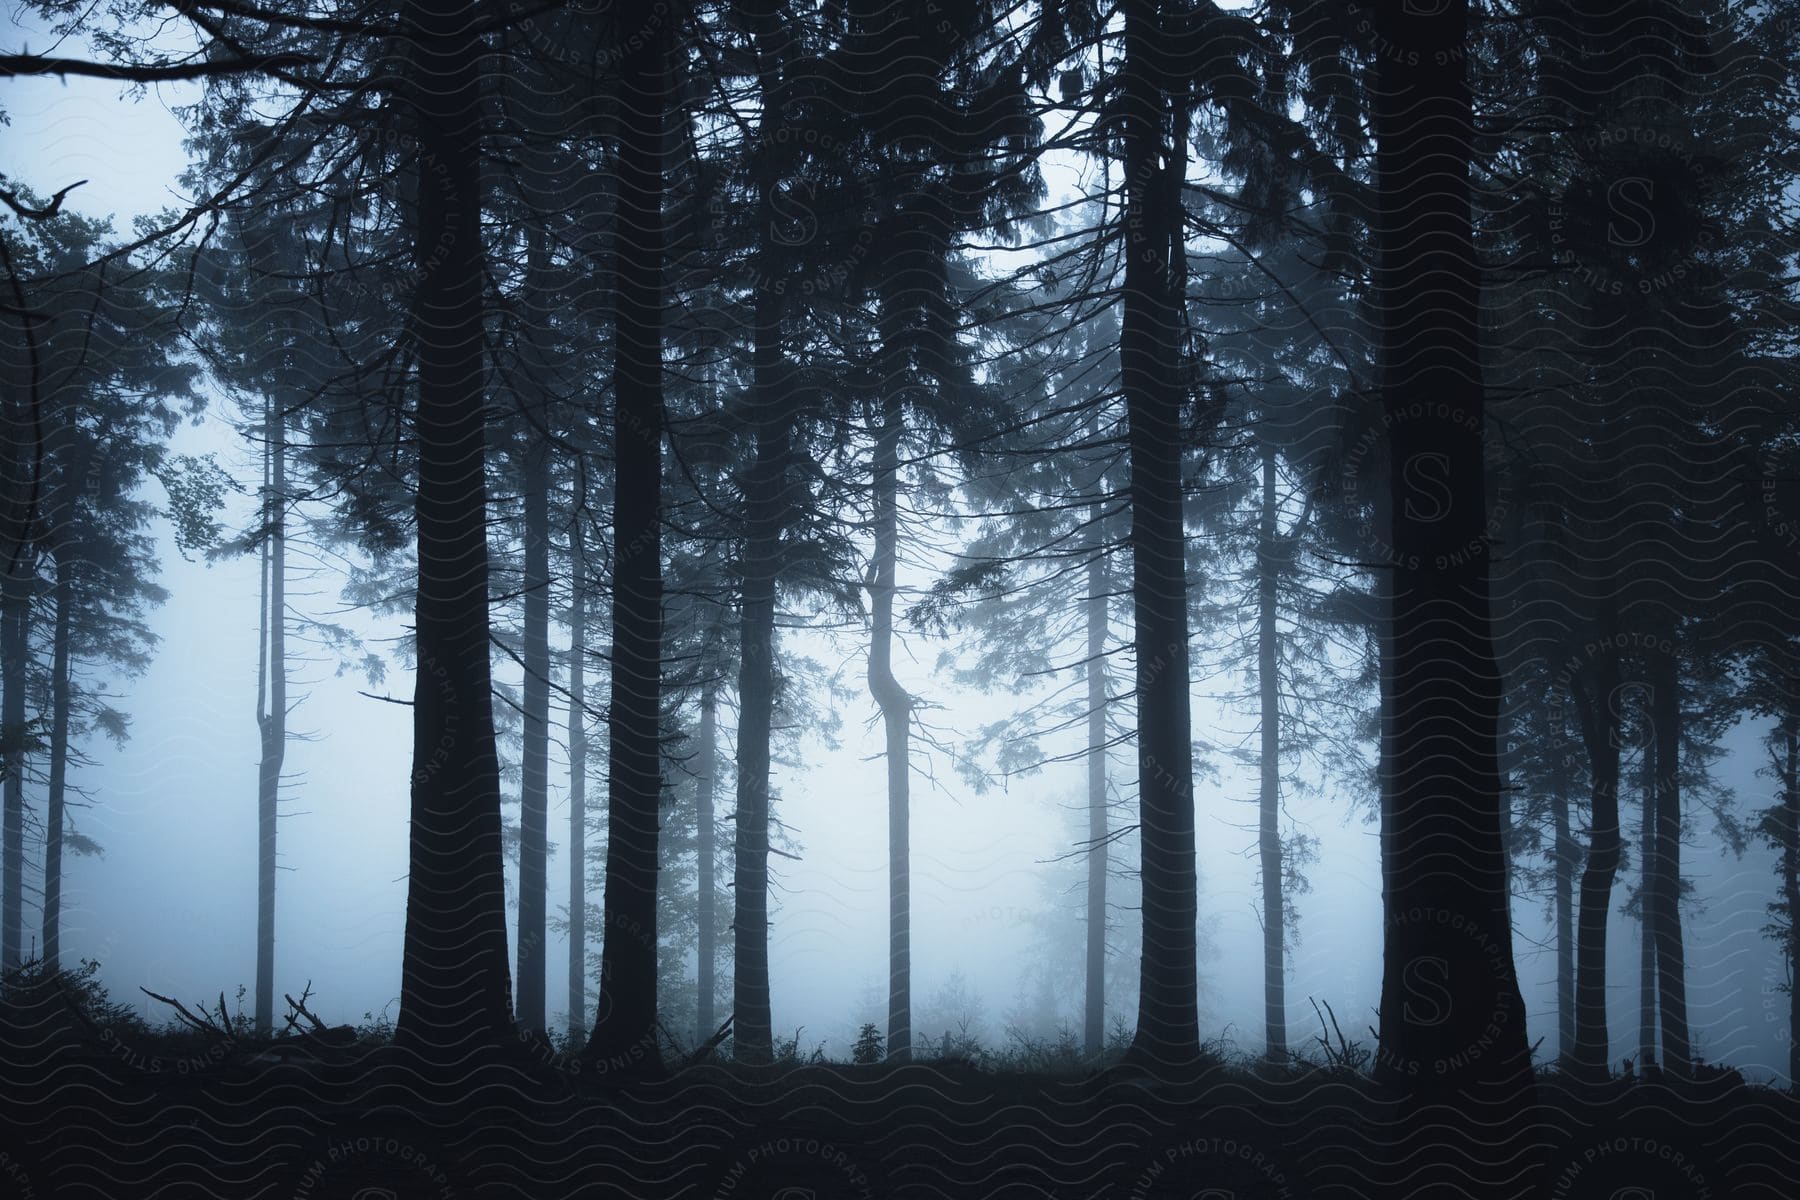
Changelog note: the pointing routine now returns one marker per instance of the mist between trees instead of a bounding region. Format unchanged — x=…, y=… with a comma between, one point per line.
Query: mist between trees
x=1165, y=420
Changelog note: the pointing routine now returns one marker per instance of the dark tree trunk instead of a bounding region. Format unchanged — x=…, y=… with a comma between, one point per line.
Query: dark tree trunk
x=765, y=514
x=1790, y=876
x=766, y=505
x=896, y=715
x=15, y=638
x=1269, y=809
x=1647, y=906
x=1563, y=867
x=705, y=850
x=1671, y=957
x=1452, y=1017
x=534, y=768
x=455, y=993
x=625, y=1032
x=59, y=759
x=1600, y=735
x=1099, y=850
x=271, y=721
x=577, y=781
x=1168, y=1026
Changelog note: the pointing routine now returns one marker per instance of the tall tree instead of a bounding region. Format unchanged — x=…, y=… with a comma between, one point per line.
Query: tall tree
x=271, y=700
x=625, y=1027
x=578, y=746
x=706, y=838
x=1274, y=907
x=1154, y=163
x=1441, y=787
x=455, y=987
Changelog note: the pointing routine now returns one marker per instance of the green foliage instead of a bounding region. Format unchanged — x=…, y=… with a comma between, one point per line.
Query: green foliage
x=869, y=1047
x=196, y=488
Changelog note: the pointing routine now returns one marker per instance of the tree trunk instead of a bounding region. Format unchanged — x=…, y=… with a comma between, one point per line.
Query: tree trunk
x=765, y=501
x=59, y=758
x=1099, y=850
x=1269, y=833
x=577, y=781
x=625, y=1032
x=1600, y=735
x=1671, y=958
x=705, y=838
x=1168, y=1027
x=1452, y=1017
x=455, y=986
x=534, y=768
x=896, y=715
x=1647, y=907
x=15, y=637
x=271, y=721
x=1790, y=876
x=1563, y=867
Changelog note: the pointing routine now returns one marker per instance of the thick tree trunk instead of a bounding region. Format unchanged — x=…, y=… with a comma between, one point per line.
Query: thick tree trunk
x=1790, y=878
x=765, y=501
x=1647, y=907
x=15, y=638
x=1452, y=1017
x=1600, y=735
x=705, y=852
x=896, y=715
x=1099, y=849
x=1671, y=957
x=1168, y=1026
x=625, y=1033
x=1563, y=869
x=455, y=993
x=59, y=758
x=1269, y=807
x=577, y=781
x=271, y=721
x=534, y=768
x=765, y=514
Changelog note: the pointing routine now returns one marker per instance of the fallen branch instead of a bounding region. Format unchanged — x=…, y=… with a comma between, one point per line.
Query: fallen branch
x=300, y=1009
x=712, y=1043
x=202, y=1023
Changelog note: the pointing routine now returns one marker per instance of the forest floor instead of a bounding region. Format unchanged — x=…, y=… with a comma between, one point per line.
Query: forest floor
x=110, y=1109
x=138, y=1123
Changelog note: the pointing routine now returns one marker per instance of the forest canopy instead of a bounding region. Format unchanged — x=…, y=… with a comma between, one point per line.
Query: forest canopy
x=1298, y=499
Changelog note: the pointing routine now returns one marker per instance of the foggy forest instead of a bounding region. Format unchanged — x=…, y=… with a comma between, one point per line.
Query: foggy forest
x=900, y=598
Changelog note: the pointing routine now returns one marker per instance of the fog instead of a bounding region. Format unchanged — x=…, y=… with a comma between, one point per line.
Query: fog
x=171, y=904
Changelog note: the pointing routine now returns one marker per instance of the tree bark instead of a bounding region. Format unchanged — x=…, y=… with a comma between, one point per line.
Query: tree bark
x=896, y=715
x=625, y=1031
x=1099, y=850
x=15, y=637
x=1563, y=867
x=1168, y=1026
x=1790, y=874
x=1647, y=907
x=705, y=850
x=1269, y=832
x=1671, y=957
x=1600, y=734
x=455, y=995
x=534, y=767
x=271, y=721
x=765, y=501
x=1452, y=1017
x=578, y=743
x=59, y=758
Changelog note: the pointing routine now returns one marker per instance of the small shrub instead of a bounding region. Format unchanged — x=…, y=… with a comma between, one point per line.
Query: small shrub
x=868, y=1049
